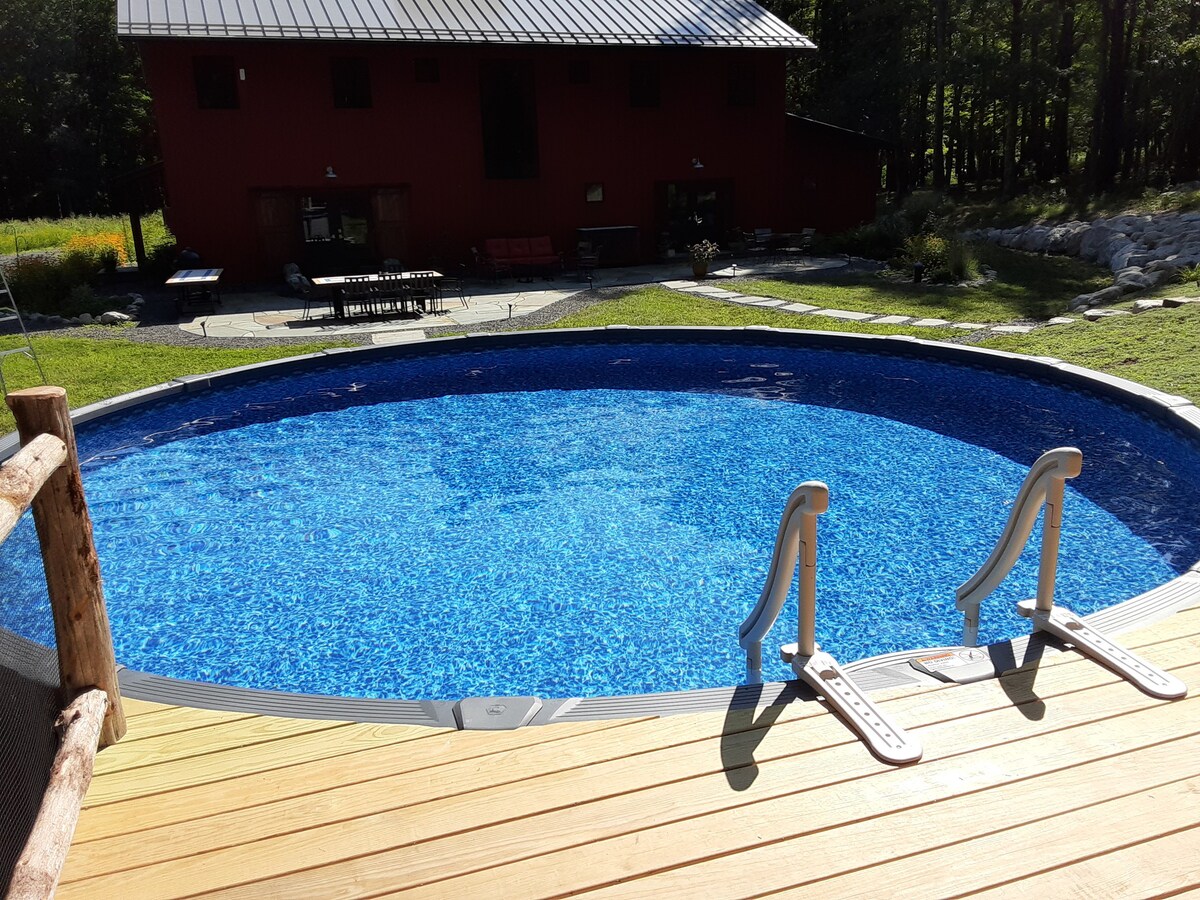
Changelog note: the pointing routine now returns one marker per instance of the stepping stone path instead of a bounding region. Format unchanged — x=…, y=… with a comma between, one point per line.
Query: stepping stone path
x=805, y=309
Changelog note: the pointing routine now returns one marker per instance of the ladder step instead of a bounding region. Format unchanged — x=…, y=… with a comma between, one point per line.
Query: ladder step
x=25, y=350
x=887, y=740
x=1066, y=626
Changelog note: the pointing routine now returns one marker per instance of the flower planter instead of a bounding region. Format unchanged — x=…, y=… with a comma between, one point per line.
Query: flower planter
x=700, y=267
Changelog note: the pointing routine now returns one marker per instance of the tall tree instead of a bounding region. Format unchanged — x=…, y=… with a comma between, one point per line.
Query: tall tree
x=73, y=108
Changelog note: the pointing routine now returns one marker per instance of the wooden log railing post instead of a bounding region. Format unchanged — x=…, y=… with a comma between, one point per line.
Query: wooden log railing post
x=40, y=865
x=81, y=629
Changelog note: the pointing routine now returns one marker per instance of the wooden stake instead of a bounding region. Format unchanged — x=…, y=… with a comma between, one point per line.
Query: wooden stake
x=37, y=872
x=81, y=629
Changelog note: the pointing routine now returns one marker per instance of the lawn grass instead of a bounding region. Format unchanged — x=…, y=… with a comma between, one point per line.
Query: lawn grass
x=660, y=306
x=1027, y=286
x=21, y=235
x=92, y=370
x=1160, y=349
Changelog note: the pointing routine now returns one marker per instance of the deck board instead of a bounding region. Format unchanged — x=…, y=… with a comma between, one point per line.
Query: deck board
x=1020, y=788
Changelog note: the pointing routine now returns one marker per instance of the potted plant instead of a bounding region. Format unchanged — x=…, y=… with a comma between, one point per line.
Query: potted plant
x=702, y=253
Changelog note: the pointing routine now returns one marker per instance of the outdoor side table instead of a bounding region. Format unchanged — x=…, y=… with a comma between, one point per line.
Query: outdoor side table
x=199, y=289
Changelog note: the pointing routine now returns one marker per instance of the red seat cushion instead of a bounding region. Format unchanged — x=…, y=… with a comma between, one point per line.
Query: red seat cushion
x=541, y=246
x=518, y=249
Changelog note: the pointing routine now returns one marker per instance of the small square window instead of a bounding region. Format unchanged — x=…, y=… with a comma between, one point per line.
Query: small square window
x=644, y=85
x=216, y=82
x=594, y=193
x=742, y=85
x=579, y=71
x=351, y=82
x=429, y=71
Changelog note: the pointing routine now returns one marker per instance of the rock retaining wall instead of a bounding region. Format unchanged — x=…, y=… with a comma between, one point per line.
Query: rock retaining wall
x=1142, y=251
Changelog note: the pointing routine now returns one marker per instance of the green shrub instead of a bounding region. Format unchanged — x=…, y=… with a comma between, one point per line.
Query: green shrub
x=882, y=239
x=50, y=284
x=927, y=249
x=961, y=264
x=160, y=261
x=1189, y=273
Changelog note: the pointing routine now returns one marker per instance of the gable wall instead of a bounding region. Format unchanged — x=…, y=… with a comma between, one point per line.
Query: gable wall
x=428, y=137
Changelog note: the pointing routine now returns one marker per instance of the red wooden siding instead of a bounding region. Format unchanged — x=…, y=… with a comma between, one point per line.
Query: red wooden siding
x=229, y=172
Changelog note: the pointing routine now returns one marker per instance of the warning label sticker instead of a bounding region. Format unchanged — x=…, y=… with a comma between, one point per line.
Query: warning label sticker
x=951, y=659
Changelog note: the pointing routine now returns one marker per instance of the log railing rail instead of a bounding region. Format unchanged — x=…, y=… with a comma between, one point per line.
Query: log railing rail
x=45, y=474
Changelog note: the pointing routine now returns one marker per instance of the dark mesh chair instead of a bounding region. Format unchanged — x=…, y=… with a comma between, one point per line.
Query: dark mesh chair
x=453, y=284
x=391, y=293
x=423, y=291
x=359, y=295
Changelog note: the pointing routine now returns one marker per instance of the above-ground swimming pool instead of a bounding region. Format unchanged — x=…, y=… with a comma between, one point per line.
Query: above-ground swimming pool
x=588, y=516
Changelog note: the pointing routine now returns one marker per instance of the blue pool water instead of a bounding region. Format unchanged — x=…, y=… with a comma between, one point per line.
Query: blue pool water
x=587, y=520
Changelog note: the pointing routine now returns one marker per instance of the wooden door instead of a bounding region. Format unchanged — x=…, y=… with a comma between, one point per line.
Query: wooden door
x=390, y=206
x=279, y=229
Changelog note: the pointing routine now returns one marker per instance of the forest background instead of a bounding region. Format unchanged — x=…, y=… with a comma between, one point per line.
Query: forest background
x=973, y=96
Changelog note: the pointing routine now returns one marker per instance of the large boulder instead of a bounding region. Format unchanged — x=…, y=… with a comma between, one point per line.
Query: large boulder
x=1097, y=298
x=1161, y=265
x=113, y=318
x=1117, y=253
x=1036, y=239
x=1094, y=240
x=1066, y=238
x=1131, y=280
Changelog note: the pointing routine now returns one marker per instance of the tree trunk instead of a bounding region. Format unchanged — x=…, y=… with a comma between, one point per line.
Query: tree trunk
x=939, y=96
x=1060, y=128
x=1009, y=187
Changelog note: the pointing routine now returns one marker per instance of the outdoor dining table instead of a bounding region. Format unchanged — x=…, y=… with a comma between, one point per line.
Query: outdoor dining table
x=335, y=283
x=196, y=287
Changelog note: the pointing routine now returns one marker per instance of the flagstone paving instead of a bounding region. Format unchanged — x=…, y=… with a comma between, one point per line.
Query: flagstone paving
x=259, y=315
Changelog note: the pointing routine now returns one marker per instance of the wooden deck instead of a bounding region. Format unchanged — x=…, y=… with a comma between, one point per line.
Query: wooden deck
x=1057, y=779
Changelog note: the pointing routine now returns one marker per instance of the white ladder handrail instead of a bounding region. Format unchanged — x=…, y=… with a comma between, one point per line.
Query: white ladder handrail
x=1044, y=484
x=797, y=532
x=796, y=542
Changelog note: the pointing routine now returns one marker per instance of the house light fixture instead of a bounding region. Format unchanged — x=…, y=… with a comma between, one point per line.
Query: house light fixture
x=329, y=173
x=696, y=164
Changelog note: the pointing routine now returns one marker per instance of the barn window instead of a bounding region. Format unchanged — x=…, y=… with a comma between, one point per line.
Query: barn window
x=742, y=86
x=579, y=71
x=428, y=71
x=351, y=78
x=216, y=82
x=644, y=84
x=509, y=117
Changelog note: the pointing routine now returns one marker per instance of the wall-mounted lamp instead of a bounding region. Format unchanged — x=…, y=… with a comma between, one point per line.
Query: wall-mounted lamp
x=696, y=164
x=329, y=173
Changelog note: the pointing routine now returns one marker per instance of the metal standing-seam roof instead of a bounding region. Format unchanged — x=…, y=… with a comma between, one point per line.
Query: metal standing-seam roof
x=715, y=23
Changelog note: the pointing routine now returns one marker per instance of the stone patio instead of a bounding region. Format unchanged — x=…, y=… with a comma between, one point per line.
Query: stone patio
x=268, y=315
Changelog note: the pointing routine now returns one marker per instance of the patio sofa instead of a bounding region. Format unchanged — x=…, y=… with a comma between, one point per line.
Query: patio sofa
x=521, y=255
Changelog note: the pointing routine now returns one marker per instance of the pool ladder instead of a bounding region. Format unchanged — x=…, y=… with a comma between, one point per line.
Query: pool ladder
x=1045, y=486
x=795, y=543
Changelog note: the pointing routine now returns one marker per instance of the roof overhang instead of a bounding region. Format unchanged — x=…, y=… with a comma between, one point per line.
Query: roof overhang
x=705, y=23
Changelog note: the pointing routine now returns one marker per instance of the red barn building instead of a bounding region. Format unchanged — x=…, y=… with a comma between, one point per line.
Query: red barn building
x=341, y=133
